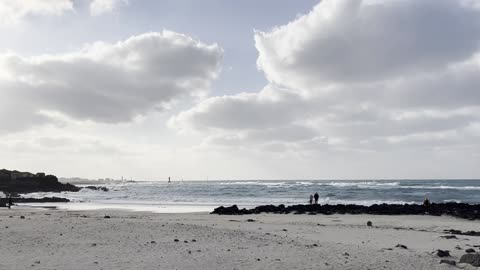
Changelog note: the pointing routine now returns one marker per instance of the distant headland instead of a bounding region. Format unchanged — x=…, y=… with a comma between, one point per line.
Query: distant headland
x=16, y=182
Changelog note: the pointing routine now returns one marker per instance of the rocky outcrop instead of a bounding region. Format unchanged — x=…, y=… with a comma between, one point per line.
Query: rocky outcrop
x=460, y=210
x=39, y=200
x=15, y=182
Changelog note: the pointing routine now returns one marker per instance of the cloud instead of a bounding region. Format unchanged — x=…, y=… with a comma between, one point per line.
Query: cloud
x=99, y=7
x=357, y=75
x=106, y=82
x=13, y=11
x=363, y=41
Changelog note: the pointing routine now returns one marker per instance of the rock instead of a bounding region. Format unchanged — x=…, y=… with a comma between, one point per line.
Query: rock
x=369, y=224
x=232, y=210
x=22, y=217
x=458, y=232
x=97, y=188
x=401, y=246
x=472, y=259
x=449, y=236
x=106, y=217
x=460, y=210
x=176, y=240
x=450, y=262
x=470, y=250
x=193, y=240
x=250, y=220
x=39, y=200
x=443, y=253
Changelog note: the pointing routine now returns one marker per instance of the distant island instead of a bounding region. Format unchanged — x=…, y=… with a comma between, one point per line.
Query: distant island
x=15, y=182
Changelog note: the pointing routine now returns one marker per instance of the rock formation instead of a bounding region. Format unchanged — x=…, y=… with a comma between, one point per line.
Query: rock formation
x=460, y=210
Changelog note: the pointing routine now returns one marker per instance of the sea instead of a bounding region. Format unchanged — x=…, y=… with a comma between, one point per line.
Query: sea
x=204, y=196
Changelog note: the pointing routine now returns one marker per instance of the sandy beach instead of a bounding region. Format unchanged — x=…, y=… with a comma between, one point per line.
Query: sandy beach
x=58, y=239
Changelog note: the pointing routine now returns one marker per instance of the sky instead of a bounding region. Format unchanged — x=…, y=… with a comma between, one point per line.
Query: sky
x=226, y=89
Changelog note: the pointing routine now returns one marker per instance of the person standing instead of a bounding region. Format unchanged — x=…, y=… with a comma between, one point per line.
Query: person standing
x=316, y=197
x=311, y=199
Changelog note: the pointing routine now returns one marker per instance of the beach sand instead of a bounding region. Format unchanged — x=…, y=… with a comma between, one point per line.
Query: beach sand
x=59, y=239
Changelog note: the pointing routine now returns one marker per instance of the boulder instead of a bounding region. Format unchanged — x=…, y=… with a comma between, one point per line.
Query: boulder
x=472, y=259
x=443, y=253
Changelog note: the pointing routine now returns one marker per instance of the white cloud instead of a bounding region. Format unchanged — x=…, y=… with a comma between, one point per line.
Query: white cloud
x=106, y=82
x=357, y=75
x=346, y=41
x=13, y=11
x=99, y=7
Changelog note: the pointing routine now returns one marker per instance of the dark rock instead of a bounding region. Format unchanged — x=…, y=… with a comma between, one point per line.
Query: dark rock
x=106, y=217
x=176, y=240
x=193, y=240
x=22, y=217
x=460, y=210
x=443, y=253
x=469, y=233
x=232, y=210
x=470, y=250
x=40, y=200
x=473, y=259
x=449, y=236
x=99, y=188
x=450, y=262
x=401, y=246
x=250, y=220
x=369, y=224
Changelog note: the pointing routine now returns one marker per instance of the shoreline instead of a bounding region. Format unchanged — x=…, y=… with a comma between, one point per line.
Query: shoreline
x=117, y=239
